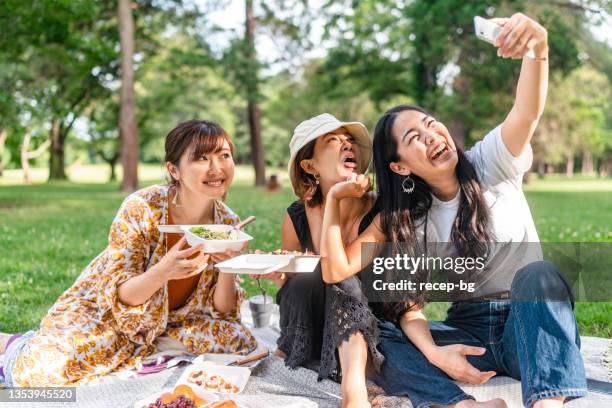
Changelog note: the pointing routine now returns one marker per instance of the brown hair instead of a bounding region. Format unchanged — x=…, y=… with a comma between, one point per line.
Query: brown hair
x=205, y=137
x=306, y=187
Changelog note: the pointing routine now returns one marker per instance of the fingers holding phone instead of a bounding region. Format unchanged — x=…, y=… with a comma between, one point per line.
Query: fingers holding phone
x=519, y=35
x=515, y=37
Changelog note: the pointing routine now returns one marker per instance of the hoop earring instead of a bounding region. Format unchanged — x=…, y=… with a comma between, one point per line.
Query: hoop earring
x=176, y=201
x=410, y=189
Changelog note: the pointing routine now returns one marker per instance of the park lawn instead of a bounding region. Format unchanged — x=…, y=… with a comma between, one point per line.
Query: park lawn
x=51, y=231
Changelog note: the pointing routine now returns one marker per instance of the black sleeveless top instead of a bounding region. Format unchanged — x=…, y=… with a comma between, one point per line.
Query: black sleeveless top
x=308, y=334
x=297, y=213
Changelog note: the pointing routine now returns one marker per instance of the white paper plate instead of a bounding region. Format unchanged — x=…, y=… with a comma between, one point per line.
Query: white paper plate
x=261, y=264
x=235, y=375
x=208, y=396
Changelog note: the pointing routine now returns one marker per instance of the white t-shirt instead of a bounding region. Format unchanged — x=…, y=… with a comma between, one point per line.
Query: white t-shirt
x=511, y=223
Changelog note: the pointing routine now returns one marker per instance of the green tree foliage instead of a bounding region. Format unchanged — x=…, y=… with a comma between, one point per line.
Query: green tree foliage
x=427, y=51
x=59, y=63
x=64, y=51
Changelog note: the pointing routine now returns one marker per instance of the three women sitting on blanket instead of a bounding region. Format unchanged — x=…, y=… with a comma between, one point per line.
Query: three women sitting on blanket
x=146, y=284
x=429, y=191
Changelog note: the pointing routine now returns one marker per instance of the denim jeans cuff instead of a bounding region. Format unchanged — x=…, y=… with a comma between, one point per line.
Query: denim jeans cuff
x=569, y=393
x=461, y=397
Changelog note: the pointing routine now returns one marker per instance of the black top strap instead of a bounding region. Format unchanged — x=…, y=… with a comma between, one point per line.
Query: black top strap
x=369, y=217
x=297, y=213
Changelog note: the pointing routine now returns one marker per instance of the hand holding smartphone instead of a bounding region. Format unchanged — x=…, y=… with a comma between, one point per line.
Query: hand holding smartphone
x=488, y=31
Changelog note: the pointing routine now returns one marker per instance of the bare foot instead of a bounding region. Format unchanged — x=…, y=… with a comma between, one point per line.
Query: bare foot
x=280, y=353
x=494, y=403
x=549, y=403
x=355, y=402
x=4, y=338
x=354, y=396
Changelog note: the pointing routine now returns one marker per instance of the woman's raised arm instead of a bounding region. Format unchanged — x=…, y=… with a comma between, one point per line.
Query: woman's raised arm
x=519, y=35
x=338, y=261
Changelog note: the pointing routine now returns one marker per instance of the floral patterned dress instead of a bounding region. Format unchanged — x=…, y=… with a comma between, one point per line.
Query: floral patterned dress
x=88, y=332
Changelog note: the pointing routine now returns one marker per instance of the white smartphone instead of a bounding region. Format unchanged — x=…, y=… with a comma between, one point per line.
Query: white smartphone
x=488, y=31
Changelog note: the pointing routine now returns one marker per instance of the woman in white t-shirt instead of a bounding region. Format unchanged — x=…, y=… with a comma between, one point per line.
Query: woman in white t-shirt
x=432, y=192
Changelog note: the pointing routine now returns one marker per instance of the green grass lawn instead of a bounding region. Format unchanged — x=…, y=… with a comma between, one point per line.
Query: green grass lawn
x=51, y=231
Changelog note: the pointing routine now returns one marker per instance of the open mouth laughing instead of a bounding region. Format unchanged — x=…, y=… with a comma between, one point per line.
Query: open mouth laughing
x=439, y=151
x=349, y=161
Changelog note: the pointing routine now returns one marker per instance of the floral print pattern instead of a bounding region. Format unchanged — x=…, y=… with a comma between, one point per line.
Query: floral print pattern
x=88, y=332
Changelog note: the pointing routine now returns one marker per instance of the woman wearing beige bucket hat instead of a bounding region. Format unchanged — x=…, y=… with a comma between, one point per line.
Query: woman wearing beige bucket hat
x=317, y=319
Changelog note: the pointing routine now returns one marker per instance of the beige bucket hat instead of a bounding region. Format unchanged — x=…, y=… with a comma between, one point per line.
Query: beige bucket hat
x=320, y=125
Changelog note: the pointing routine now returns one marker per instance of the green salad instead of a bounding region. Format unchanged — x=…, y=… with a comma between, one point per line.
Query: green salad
x=205, y=233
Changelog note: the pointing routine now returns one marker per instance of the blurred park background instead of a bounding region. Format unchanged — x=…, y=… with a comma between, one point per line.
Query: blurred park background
x=89, y=89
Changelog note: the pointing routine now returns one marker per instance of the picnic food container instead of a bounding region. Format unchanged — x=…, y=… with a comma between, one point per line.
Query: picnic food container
x=215, y=378
x=224, y=359
x=204, y=398
x=216, y=245
x=261, y=264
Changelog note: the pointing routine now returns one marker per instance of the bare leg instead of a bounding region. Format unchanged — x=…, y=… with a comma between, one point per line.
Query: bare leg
x=556, y=402
x=4, y=338
x=353, y=358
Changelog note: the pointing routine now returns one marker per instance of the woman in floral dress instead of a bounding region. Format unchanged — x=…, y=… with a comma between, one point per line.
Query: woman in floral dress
x=145, y=284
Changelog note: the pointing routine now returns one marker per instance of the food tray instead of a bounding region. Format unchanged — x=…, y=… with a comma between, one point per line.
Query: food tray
x=261, y=264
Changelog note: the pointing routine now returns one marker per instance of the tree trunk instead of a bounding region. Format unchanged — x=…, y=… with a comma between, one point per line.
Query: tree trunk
x=541, y=169
x=569, y=166
x=26, y=155
x=254, y=113
x=113, y=171
x=25, y=163
x=112, y=162
x=128, y=130
x=605, y=167
x=587, y=162
x=57, y=165
x=3, y=137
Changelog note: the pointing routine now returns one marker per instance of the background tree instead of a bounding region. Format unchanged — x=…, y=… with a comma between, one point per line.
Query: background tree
x=67, y=50
x=128, y=130
x=252, y=85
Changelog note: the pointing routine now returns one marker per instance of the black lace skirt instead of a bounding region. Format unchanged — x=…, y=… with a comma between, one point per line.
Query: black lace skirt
x=315, y=318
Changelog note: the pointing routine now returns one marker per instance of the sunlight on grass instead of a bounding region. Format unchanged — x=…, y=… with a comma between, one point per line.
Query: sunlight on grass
x=100, y=173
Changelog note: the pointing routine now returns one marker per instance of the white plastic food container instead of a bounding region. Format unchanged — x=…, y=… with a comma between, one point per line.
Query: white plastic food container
x=237, y=376
x=261, y=264
x=216, y=245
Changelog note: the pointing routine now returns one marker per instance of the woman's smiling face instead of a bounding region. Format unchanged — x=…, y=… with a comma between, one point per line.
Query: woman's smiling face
x=210, y=174
x=424, y=146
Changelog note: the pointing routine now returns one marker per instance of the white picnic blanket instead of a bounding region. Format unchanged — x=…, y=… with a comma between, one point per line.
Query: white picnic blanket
x=272, y=384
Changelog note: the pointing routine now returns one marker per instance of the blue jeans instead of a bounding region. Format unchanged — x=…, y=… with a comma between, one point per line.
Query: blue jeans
x=536, y=342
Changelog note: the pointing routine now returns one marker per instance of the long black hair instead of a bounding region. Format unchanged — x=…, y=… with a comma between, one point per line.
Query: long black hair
x=402, y=213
